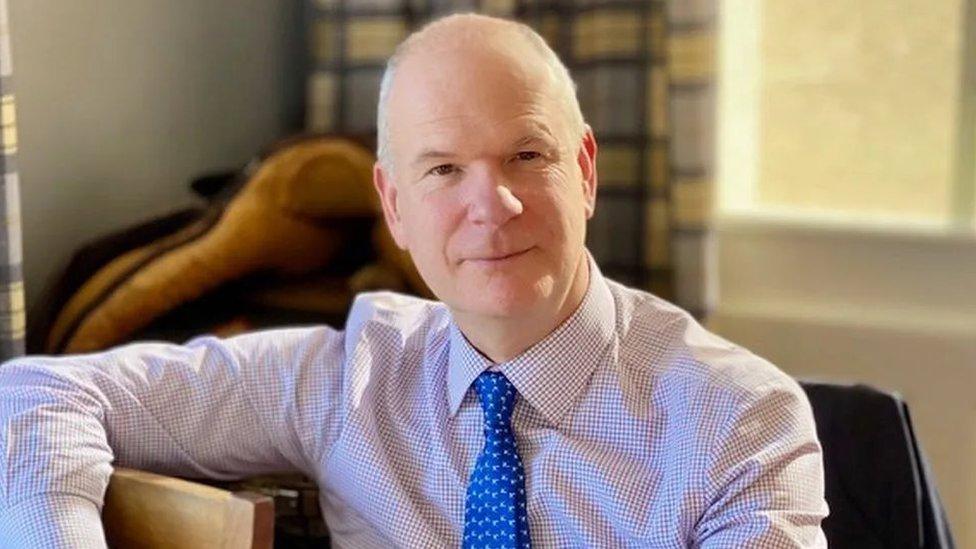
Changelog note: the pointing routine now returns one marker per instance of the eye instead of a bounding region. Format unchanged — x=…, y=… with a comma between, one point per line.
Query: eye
x=442, y=170
x=527, y=156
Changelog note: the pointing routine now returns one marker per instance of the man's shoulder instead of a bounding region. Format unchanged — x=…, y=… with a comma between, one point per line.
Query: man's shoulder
x=668, y=347
x=395, y=313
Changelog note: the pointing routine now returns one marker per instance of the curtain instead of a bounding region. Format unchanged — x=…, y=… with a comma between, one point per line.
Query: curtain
x=12, y=319
x=633, y=79
x=691, y=66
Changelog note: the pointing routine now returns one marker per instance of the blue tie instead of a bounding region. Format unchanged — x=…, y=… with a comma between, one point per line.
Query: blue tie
x=494, y=509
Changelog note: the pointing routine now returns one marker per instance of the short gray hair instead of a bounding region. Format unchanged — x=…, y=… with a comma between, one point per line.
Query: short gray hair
x=559, y=71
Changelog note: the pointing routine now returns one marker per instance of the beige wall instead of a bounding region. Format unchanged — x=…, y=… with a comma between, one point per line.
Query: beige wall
x=119, y=102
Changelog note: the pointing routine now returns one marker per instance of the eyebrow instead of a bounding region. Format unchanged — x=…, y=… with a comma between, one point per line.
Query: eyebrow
x=538, y=135
x=428, y=154
x=539, y=132
x=533, y=138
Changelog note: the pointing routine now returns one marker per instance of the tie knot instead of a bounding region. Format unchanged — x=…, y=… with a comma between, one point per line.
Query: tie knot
x=497, y=396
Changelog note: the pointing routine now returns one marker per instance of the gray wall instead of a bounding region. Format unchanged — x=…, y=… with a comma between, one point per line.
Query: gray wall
x=120, y=102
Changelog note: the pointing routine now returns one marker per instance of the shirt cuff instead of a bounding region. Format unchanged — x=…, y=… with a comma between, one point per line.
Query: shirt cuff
x=52, y=521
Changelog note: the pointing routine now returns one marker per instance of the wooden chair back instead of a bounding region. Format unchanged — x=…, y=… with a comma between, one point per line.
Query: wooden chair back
x=145, y=510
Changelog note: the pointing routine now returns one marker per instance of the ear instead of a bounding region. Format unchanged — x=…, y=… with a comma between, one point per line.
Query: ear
x=586, y=158
x=386, y=188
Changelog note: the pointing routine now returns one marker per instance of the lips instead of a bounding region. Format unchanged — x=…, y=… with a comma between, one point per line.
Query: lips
x=497, y=257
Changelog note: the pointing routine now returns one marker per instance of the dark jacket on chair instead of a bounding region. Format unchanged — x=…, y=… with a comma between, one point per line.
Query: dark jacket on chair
x=878, y=485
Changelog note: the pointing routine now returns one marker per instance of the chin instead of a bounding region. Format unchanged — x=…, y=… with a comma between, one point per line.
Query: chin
x=502, y=308
x=505, y=298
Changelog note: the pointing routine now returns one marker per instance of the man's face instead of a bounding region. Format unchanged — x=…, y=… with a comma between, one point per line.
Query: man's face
x=491, y=189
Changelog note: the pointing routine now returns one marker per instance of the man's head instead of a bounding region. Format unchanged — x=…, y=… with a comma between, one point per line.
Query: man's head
x=486, y=172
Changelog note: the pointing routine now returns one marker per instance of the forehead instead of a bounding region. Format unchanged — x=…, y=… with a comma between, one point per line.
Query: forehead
x=449, y=93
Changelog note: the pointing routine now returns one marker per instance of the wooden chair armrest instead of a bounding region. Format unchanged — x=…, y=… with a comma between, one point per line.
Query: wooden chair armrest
x=146, y=510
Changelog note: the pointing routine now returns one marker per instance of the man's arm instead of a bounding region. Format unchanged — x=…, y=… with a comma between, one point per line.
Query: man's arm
x=766, y=476
x=253, y=404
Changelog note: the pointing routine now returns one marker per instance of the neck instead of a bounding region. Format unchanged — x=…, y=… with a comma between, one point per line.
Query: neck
x=503, y=338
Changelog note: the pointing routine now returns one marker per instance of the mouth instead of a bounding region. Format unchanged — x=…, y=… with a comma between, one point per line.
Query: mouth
x=497, y=259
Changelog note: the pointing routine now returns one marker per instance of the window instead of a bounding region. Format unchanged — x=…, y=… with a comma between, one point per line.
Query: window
x=852, y=112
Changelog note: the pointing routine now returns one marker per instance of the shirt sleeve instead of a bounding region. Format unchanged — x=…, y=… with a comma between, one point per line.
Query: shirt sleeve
x=766, y=480
x=213, y=408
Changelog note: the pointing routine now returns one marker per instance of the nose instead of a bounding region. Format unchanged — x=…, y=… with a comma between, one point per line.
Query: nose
x=490, y=200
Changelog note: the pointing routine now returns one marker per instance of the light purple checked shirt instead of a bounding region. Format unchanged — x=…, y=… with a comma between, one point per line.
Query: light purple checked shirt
x=637, y=428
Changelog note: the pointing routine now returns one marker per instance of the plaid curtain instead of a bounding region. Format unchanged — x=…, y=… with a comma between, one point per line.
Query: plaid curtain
x=691, y=64
x=643, y=76
x=11, y=273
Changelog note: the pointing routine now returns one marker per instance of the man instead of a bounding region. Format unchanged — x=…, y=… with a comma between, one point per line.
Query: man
x=537, y=404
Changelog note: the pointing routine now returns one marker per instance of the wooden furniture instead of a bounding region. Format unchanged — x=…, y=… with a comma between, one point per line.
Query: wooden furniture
x=145, y=510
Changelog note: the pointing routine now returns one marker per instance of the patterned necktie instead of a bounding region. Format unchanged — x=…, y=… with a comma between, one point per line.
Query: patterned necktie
x=494, y=509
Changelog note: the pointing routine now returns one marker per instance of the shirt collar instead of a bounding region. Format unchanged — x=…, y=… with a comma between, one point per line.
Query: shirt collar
x=552, y=374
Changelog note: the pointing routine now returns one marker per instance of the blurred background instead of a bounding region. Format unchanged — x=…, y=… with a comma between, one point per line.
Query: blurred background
x=845, y=205
x=801, y=175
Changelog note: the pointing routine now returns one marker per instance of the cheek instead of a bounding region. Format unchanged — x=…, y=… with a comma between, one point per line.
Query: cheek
x=568, y=217
x=560, y=207
x=428, y=221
